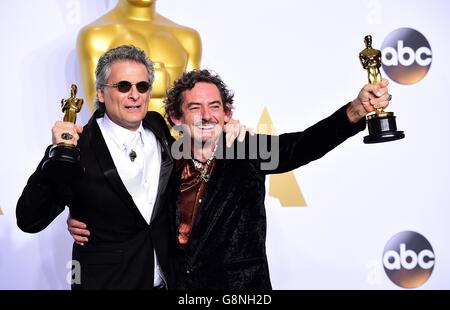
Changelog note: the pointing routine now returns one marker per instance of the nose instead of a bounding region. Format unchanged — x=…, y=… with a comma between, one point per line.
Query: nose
x=206, y=113
x=133, y=93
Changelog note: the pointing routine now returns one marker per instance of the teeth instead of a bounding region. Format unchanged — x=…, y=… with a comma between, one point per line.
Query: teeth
x=206, y=127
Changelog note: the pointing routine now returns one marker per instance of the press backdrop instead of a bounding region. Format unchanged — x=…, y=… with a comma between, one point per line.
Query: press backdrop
x=291, y=63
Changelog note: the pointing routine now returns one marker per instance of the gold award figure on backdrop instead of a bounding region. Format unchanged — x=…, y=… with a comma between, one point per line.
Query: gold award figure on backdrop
x=173, y=48
x=381, y=124
x=64, y=160
x=283, y=186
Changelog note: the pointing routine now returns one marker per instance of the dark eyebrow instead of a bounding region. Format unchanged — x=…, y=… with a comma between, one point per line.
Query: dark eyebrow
x=192, y=103
x=209, y=103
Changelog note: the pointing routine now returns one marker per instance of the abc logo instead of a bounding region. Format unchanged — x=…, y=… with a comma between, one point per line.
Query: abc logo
x=406, y=56
x=408, y=259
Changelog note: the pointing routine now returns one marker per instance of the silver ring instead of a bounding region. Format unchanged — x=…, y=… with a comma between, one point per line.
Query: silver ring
x=390, y=97
x=66, y=136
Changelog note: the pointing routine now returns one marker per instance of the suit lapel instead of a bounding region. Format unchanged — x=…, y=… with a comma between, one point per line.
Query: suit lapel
x=161, y=132
x=164, y=176
x=210, y=212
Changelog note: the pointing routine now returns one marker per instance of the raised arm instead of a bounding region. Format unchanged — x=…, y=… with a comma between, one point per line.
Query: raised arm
x=293, y=150
x=42, y=200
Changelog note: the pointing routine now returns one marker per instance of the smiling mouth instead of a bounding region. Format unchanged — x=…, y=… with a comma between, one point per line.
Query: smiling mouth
x=206, y=127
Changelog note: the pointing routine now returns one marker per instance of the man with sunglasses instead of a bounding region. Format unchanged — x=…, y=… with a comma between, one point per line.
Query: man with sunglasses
x=121, y=196
x=125, y=152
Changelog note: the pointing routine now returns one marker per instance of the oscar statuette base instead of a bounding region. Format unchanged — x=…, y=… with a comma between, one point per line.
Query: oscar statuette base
x=63, y=164
x=382, y=128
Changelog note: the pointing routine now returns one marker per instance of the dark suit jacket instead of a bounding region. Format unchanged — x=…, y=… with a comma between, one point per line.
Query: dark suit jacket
x=119, y=254
x=226, y=249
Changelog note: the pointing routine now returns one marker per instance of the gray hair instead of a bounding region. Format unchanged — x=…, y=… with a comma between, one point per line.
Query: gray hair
x=120, y=53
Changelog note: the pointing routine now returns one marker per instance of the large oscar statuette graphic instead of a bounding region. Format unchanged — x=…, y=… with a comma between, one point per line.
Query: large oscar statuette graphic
x=64, y=163
x=381, y=124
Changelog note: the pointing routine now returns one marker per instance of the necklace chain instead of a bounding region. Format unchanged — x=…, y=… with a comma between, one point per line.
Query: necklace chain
x=204, y=166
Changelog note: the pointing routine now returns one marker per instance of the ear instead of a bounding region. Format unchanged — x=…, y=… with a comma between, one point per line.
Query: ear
x=228, y=114
x=174, y=120
x=100, y=95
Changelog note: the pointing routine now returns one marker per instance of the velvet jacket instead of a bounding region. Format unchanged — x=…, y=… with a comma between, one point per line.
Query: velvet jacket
x=119, y=254
x=226, y=249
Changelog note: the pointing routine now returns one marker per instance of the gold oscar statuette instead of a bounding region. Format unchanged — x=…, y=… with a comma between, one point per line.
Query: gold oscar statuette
x=63, y=163
x=381, y=124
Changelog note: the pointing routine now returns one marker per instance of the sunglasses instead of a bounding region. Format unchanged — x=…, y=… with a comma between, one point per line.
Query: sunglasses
x=125, y=86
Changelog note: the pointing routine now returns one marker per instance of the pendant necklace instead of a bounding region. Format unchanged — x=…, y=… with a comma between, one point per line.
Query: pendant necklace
x=204, y=166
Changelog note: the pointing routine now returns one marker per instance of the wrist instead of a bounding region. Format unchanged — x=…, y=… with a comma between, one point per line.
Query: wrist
x=355, y=111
